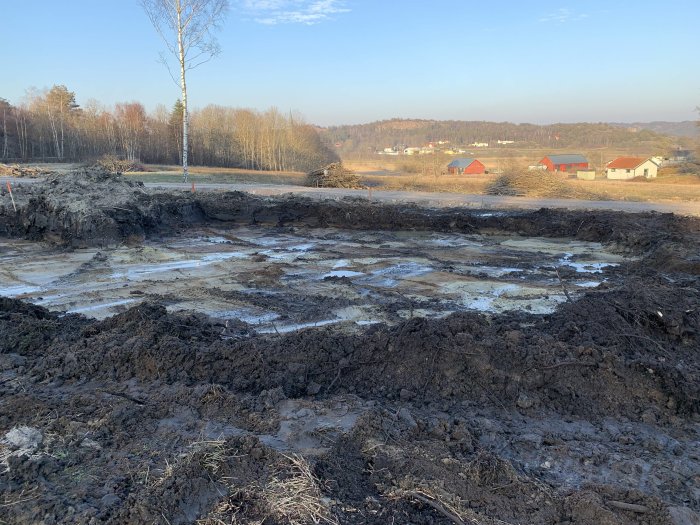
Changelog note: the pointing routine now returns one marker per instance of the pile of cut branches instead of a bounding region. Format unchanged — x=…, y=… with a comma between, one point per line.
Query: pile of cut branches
x=15, y=170
x=114, y=164
x=531, y=183
x=334, y=175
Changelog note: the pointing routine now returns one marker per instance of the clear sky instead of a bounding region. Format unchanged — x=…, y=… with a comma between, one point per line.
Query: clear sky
x=355, y=61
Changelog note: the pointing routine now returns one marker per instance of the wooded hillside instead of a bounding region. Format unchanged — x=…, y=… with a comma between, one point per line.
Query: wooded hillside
x=365, y=138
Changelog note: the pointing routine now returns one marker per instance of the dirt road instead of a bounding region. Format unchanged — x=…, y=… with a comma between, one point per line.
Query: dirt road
x=472, y=201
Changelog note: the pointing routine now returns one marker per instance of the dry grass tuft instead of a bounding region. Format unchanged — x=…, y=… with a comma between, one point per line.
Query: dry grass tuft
x=489, y=470
x=214, y=453
x=294, y=495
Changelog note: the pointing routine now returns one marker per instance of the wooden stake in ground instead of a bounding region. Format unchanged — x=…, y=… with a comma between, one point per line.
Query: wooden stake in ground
x=9, y=188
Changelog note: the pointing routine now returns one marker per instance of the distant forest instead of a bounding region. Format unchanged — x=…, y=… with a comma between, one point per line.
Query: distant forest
x=397, y=133
x=51, y=126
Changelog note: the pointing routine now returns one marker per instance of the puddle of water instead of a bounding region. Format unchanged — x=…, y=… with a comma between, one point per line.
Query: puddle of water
x=589, y=284
x=439, y=273
x=285, y=329
x=18, y=290
x=587, y=267
x=101, y=306
x=342, y=273
x=404, y=269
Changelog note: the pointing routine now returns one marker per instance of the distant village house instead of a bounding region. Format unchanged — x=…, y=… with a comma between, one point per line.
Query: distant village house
x=567, y=162
x=630, y=167
x=466, y=167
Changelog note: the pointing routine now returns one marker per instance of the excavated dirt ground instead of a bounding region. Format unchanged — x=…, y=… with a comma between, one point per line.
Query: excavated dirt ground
x=464, y=367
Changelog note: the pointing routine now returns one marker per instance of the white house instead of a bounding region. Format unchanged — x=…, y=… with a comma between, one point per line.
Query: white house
x=630, y=167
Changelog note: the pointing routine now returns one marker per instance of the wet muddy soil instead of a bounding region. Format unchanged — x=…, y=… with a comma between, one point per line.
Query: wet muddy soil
x=281, y=279
x=177, y=358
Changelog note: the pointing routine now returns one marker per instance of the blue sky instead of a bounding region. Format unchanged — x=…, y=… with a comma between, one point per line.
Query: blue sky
x=355, y=61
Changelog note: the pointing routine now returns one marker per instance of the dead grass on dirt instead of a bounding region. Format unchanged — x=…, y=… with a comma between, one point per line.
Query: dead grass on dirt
x=292, y=495
x=444, y=503
x=429, y=183
x=213, y=453
x=674, y=188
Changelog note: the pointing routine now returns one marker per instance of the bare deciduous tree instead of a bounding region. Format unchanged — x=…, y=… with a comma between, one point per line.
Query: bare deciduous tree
x=186, y=28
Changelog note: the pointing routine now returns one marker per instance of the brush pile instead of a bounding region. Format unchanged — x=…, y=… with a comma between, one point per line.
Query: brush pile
x=334, y=175
x=15, y=170
x=529, y=183
x=115, y=165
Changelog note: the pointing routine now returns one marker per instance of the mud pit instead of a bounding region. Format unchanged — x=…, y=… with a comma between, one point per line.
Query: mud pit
x=212, y=399
x=282, y=279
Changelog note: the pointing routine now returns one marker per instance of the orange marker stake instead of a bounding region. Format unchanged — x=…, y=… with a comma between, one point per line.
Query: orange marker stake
x=193, y=190
x=9, y=188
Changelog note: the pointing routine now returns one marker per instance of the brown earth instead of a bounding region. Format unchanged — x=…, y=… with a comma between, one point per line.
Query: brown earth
x=589, y=415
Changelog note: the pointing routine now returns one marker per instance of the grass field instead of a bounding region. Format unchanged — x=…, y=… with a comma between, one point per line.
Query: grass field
x=669, y=186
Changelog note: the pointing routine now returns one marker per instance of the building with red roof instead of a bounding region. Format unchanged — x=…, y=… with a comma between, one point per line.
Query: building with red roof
x=630, y=167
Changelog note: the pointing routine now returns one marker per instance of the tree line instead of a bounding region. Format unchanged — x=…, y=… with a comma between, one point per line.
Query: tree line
x=50, y=125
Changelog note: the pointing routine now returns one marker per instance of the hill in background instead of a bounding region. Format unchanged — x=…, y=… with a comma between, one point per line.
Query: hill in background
x=687, y=128
x=399, y=134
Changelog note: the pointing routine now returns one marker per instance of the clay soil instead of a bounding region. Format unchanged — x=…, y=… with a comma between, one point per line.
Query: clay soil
x=587, y=415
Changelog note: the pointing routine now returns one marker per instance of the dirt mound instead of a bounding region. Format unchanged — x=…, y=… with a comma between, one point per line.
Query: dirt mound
x=89, y=207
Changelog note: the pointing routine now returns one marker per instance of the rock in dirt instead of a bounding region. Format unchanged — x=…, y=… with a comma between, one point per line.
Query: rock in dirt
x=25, y=439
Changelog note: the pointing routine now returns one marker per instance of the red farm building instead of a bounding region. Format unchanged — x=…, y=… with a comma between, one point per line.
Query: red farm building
x=466, y=167
x=568, y=162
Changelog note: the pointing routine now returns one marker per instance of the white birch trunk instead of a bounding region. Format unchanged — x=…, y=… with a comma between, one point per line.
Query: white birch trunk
x=183, y=85
x=4, y=133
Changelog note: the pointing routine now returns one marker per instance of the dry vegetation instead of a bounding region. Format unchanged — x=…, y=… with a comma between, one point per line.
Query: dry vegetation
x=114, y=164
x=536, y=184
x=17, y=170
x=334, y=175
x=672, y=184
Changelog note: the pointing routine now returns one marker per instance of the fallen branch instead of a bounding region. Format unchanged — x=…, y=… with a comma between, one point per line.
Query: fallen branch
x=431, y=502
x=639, y=509
x=563, y=286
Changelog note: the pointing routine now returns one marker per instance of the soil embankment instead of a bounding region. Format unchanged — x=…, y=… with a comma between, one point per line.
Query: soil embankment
x=587, y=415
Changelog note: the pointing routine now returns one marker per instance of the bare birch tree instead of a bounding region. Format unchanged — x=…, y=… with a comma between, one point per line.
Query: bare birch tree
x=186, y=28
